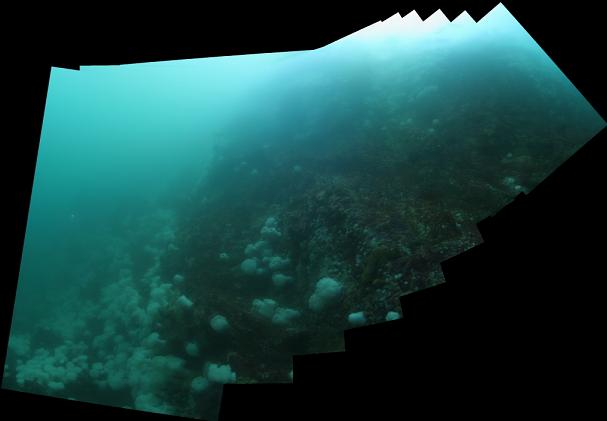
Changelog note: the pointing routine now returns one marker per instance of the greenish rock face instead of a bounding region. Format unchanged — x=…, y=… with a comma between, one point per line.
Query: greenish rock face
x=198, y=222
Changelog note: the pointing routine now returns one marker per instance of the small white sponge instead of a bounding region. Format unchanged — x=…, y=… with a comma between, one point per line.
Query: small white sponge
x=392, y=315
x=221, y=373
x=284, y=316
x=357, y=319
x=327, y=291
x=220, y=323
x=264, y=307
x=185, y=301
x=199, y=384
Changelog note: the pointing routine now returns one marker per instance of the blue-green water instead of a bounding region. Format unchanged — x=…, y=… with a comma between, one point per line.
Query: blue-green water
x=198, y=222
